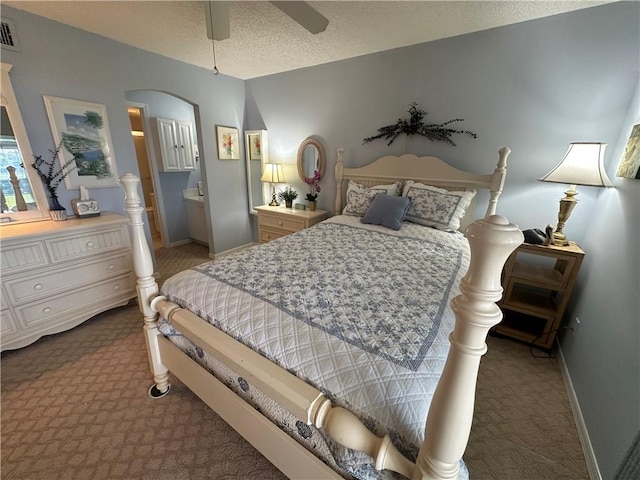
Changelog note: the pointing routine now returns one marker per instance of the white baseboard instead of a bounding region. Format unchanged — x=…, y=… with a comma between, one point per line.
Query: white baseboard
x=179, y=242
x=583, y=434
x=233, y=250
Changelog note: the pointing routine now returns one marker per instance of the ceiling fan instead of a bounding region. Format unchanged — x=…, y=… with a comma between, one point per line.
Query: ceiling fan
x=217, y=17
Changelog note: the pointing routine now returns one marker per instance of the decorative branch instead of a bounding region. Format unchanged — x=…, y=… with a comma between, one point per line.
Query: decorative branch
x=50, y=176
x=414, y=126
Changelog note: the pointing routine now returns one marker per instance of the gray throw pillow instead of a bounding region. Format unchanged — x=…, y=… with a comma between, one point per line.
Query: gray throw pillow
x=387, y=210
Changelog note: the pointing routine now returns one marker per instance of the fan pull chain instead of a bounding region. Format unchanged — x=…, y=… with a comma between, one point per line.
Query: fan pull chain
x=215, y=68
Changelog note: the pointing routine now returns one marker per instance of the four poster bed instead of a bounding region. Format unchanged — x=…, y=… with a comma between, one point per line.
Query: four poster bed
x=329, y=348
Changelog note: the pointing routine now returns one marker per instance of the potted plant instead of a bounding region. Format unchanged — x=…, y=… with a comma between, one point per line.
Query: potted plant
x=288, y=195
x=314, y=189
x=51, y=175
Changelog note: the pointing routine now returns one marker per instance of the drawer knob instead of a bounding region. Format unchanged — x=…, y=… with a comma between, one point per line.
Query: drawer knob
x=280, y=223
x=89, y=244
x=116, y=287
x=268, y=236
x=37, y=286
x=111, y=266
x=46, y=310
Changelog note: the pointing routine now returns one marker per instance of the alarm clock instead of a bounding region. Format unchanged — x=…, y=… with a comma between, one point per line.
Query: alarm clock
x=85, y=208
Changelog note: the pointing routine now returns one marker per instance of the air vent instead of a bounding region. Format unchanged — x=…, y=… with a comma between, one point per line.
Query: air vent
x=8, y=36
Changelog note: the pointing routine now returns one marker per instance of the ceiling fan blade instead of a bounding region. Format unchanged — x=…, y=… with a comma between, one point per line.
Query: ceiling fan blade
x=305, y=15
x=217, y=20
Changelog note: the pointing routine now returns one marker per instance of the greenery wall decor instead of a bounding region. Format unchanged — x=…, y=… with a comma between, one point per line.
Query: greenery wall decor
x=415, y=126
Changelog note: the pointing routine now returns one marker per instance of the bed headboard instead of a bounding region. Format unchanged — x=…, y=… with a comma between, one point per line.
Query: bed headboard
x=428, y=170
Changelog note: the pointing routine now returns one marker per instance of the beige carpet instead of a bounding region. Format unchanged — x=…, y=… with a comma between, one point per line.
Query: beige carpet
x=74, y=406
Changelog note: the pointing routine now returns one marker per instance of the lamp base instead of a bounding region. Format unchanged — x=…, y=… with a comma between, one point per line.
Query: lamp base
x=558, y=238
x=274, y=202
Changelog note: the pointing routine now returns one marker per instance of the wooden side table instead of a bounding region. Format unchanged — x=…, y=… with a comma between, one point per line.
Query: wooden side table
x=538, y=281
x=276, y=222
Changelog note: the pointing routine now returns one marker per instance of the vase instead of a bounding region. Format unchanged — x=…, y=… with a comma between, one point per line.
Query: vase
x=58, y=215
x=312, y=205
x=57, y=211
x=288, y=203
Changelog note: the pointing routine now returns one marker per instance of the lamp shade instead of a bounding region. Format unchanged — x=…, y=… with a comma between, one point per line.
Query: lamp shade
x=272, y=173
x=583, y=164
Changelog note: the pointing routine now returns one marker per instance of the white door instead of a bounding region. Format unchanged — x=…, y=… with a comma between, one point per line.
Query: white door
x=168, y=145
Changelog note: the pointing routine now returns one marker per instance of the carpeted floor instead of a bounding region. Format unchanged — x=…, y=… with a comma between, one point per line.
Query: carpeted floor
x=74, y=406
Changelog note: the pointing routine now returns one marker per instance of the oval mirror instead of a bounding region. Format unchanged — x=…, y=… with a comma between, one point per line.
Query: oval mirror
x=311, y=157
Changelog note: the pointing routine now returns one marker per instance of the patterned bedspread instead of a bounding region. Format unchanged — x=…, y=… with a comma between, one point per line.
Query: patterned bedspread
x=361, y=312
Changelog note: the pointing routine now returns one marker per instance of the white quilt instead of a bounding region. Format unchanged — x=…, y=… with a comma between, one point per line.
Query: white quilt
x=361, y=312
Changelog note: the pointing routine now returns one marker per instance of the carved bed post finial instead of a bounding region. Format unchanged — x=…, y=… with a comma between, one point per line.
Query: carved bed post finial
x=492, y=240
x=497, y=182
x=146, y=287
x=339, y=174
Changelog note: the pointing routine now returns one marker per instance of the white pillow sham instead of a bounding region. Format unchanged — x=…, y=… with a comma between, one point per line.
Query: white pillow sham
x=360, y=197
x=436, y=207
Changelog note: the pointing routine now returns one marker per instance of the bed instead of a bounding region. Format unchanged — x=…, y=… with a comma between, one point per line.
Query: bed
x=349, y=349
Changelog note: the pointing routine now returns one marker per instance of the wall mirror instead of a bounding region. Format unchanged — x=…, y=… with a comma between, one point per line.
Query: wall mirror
x=256, y=148
x=22, y=194
x=311, y=157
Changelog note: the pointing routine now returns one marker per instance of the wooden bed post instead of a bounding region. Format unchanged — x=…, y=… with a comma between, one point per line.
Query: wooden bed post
x=497, y=181
x=448, y=425
x=339, y=172
x=146, y=287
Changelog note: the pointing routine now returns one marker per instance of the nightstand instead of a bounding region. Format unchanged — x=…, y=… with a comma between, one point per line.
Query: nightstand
x=537, y=281
x=276, y=222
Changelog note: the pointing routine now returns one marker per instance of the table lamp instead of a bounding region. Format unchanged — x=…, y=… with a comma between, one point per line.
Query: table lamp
x=273, y=174
x=583, y=164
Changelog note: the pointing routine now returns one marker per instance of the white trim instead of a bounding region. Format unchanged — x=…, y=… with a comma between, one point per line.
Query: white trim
x=583, y=434
x=233, y=250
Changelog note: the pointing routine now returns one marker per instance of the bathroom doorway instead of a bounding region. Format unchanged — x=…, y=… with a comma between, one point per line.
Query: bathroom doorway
x=138, y=132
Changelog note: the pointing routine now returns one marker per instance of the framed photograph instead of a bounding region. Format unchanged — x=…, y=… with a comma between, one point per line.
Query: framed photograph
x=630, y=164
x=228, y=145
x=83, y=130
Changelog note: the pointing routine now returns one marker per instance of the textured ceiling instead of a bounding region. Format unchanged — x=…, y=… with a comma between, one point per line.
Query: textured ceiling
x=265, y=41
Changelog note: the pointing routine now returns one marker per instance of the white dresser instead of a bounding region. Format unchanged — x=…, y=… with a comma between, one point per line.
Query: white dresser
x=56, y=275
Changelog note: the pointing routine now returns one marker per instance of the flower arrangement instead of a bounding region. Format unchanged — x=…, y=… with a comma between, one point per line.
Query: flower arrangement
x=51, y=176
x=288, y=195
x=314, y=188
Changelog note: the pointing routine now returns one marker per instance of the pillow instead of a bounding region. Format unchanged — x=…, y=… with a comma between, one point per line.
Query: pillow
x=387, y=210
x=436, y=207
x=359, y=197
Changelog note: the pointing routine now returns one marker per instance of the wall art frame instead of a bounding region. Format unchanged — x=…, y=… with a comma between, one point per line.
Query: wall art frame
x=228, y=143
x=629, y=166
x=83, y=129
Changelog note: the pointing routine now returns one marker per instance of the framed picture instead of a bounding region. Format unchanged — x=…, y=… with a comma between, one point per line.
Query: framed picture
x=255, y=147
x=630, y=164
x=228, y=145
x=83, y=130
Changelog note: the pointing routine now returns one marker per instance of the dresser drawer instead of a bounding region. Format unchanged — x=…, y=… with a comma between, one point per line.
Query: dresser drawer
x=23, y=256
x=63, y=249
x=90, y=298
x=280, y=222
x=268, y=234
x=8, y=323
x=50, y=282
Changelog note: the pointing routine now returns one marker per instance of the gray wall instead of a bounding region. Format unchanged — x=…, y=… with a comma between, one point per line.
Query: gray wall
x=533, y=87
x=62, y=61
